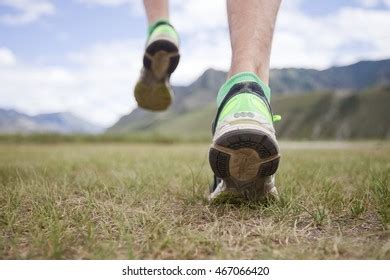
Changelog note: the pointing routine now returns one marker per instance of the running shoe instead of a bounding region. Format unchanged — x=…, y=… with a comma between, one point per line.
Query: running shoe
x=153, y=91
x=244, y=154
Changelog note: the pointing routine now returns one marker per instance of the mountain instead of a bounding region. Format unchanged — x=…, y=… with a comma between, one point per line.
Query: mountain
x=337, y=95
x=352, y=77
x=335, y=115
x=12, y=121
x=186, y=99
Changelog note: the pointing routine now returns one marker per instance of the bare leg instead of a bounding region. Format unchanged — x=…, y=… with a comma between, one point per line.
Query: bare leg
x=251, y=25
x=156, y=10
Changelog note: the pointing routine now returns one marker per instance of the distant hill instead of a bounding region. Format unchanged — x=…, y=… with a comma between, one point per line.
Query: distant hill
x=356, y=76
x=335, y=115
x=340, y=102
x=12, y=121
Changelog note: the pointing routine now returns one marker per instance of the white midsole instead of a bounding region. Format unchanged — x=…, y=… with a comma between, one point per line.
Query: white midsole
x=244, y=126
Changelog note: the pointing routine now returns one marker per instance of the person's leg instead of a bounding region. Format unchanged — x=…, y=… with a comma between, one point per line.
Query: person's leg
x=161, y=57
x=244, y=155
x=156, y=10
x=251, y=25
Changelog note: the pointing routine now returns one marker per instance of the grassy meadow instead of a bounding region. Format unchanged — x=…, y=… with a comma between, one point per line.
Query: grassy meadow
x=149, y=201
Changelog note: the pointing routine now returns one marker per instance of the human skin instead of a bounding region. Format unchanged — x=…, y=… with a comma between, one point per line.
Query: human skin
x=251, y=26
x=156, y=10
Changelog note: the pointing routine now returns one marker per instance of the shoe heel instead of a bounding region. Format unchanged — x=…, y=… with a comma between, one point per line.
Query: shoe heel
x=244, y=156
x=162, y=58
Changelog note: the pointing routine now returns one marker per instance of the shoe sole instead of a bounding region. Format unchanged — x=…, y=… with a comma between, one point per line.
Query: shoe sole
x=153, y=91
x=243, y=158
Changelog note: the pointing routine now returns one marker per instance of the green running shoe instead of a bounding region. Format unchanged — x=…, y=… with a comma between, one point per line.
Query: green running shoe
x=244, y=155
x=153, y=91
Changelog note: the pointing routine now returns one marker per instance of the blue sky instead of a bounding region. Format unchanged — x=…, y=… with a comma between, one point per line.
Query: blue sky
x=71, y=27
x=84, y=56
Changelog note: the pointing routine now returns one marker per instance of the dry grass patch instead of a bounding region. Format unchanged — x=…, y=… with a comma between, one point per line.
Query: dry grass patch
x=103, y=201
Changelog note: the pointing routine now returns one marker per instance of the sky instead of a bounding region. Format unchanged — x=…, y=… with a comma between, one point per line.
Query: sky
x=84, y=56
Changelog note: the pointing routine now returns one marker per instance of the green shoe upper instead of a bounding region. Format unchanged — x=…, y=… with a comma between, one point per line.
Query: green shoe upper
x=239, y=78
x=244, y=92
x=162, y=28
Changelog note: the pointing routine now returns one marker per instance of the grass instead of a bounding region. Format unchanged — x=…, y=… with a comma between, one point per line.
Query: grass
x=149, y=201
x=141, y=137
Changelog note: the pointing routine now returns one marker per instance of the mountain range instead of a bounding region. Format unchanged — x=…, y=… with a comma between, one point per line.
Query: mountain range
x=14, y=122
x=346, y=102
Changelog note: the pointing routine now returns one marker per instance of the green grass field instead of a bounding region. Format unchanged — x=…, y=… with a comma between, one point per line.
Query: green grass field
x=149, y=201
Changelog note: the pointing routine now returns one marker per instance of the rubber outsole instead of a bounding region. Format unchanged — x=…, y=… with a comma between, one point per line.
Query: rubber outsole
x=167, y=51
x=152, y=91
x=243, y=158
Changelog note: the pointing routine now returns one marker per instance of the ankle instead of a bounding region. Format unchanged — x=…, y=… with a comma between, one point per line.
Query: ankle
x=260, y=69
x=240, y=77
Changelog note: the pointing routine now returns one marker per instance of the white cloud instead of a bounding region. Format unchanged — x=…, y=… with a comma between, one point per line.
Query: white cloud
x=27, y=11
x=97, y=85
x=97, y=81
x=301, y=40
x=201, y=51
x=7, y=57
x=205, y=37
x=193, y=16
x=343, y=37
x=374, y=3
x=135, y=6
x=104, y=2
